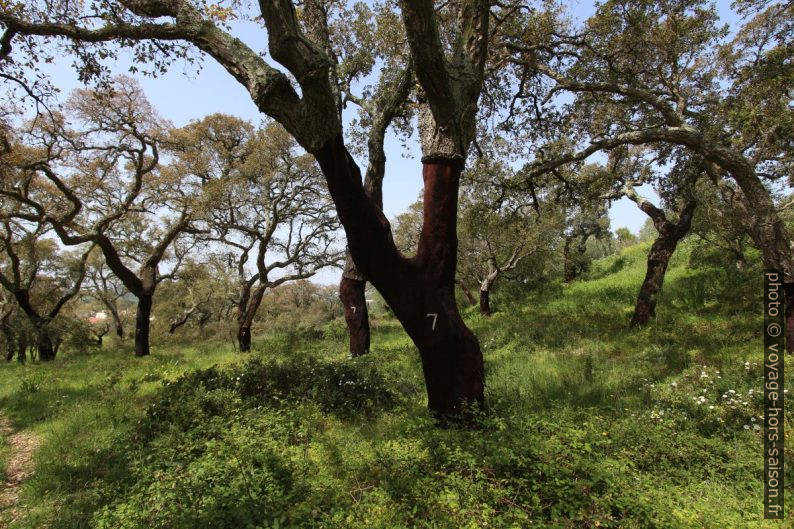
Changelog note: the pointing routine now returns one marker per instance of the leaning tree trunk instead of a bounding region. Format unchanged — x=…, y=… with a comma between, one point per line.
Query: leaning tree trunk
x=352, y=293
x=420, y=290
x=142, y=324
x=670, y=233
x=116, y=320
x=658, y=259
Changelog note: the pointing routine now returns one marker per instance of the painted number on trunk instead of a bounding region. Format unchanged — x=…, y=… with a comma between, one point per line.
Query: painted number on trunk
x=434, y=315
x=354, y=308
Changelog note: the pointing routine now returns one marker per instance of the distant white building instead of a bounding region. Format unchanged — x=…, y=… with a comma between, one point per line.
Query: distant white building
x=98, y=317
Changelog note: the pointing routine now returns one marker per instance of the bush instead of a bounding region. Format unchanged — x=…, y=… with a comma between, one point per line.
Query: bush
x=347, y=389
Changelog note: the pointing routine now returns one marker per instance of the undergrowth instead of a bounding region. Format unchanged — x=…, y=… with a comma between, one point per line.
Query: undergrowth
x=589, y=424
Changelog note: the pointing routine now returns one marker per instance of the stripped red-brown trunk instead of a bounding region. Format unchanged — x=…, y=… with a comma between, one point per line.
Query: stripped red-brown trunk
x=420, y=290
x=352, y=293
x=142, y=324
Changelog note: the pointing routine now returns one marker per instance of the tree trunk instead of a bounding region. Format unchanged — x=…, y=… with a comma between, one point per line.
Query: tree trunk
x=485, y=302
x=142, y=318
x=353, y=296
x=658, y=259
x=247, y=308
x=10, y=347
x=420, y=290
x=22, y=347
x=467, y=292
x=44, y=344
x=244, y=338
x=116, y=321
x=568, y=270
x=659, y=256
x=5, y=327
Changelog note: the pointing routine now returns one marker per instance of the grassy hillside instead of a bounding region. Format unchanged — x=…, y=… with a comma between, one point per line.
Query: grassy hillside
x=589, y=424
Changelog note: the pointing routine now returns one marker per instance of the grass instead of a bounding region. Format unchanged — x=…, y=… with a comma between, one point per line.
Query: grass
x=589, y=424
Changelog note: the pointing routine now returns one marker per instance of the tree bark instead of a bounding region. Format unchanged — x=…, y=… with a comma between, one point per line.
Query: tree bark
x=142, y=324
x=572, y=257
x=10, y=347
x=5, y=327
x=22, y=347
x=353, y=297
x=44, y=344
x=485, y=302
x=662, y=249
x=116, y=319
x=244, y=338
x=420, y=290
x=658, y=259
x=247, y=308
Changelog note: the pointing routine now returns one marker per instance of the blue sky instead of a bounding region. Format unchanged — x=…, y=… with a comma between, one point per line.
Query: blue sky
x=182, y=95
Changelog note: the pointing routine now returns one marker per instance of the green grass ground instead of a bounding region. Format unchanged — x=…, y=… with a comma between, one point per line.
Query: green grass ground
x=589, y=424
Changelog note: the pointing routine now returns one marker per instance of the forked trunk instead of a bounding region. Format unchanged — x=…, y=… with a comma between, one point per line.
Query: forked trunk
x=420, y=290
x=142, y=323
x=485, y=302
x=352, y=293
